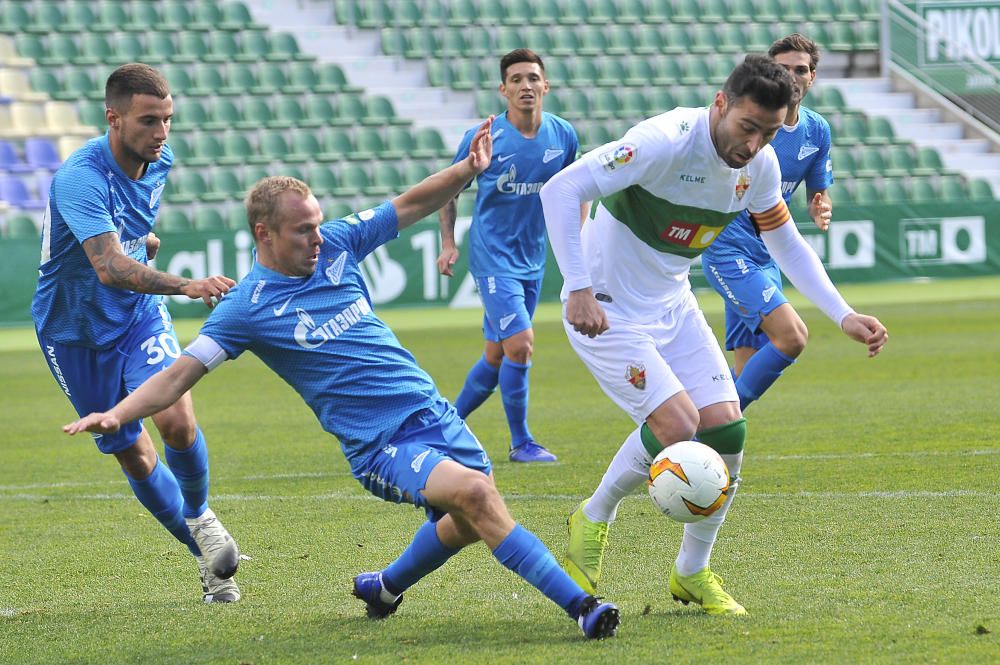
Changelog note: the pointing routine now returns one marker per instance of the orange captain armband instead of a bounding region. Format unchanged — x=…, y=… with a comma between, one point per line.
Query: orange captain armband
x=771, y=219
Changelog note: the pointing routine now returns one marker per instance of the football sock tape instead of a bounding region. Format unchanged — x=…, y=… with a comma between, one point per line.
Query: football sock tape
x=728, y=439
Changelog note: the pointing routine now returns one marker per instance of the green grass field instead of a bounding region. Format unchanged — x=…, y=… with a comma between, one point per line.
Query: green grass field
x=866, y=529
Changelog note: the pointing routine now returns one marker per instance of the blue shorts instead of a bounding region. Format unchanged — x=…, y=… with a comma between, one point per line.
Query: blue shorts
x=96, y=380
x=509, y=303
x=399, y=471
x=750, y=291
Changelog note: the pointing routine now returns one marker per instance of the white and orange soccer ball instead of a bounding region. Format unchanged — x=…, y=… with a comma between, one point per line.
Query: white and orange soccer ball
x=688, y=481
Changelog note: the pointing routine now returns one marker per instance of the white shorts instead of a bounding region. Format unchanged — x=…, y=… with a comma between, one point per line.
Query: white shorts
x=642, y=365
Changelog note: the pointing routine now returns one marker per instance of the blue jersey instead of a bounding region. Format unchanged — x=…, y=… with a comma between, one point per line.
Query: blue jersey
x=319, y=334
x=507, y=238
x=804, y=156
x=91, y=195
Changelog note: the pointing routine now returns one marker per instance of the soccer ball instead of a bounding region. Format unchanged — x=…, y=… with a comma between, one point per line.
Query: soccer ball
x=688, y=481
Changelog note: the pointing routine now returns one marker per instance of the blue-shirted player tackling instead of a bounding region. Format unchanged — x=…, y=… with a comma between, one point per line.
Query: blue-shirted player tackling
x=305, y=311
x=102, y=325
x=507, y=244
x=763, y=330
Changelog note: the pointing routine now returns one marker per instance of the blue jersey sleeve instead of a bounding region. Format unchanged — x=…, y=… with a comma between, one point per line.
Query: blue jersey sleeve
x=82, y=196
x=820, y=176
x=363, y=231
x=227, y=323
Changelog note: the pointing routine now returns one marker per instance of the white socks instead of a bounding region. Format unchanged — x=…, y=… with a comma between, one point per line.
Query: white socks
x=628, y=470
x=699, y=537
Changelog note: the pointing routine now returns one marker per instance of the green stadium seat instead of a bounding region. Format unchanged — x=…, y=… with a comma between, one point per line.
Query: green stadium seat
x=730, y=38
x=899, y=161
x=928, y=162
x=160, y=48
x=287, y=112
x=682, y=11
x=880, y=131
x=22, y=226
x=30, y=46
x=337, y=210
x=450, y=44
x=222, y=48
x=604, y=104
x=759, y=36
x=694, y=71
x=419, y=43
x=187, y=186
x=224, y=114
x=351, y=110
x=893, y=191
x=208, y=219
x=144, y=17
x=638, y=72
x=611, y=72
x=648, y=40
x=583, y=72
x=206, y=149
x=464, y=74
x=844, y=163
x=870, y=163
x=253, y=173
x=660, y=100
x=346, y=12
x=179, y=78
x=428, y=144
x=739, y=12
x=630, y=11
x=236, y=219
x=255, y=46
x=619, y=40
x=319, y=111
x=173, y=220
x=564, y=41
x=256, y=113
x=337, y=145
x=236, y=16
x=379, y=111
x=712, y=11
x=866, y=35
x=305, y=147
x=302, y=78
x=765, y=11
x=271, y=79
x=238, y=150
x=241, y=79
x=853, y=129
x=176, y=15
x=127, y=47
x=848, y=10
x=78, y=83
x=510, y=12
x=406, y=14
x=333, y=79
x=48, y=18
x=178, y=142
x=827, y=100
x=14, y=18
x=675, y=39
x=60, y=49
x=322, y=181
x=820, y=11
x=191, y=47
x=111, y=16
x=953, y=189
x=462, y=13
x=981, y=190
x=690, y=96
x=368, y=145
x=226, y=185
x=865, y=192
x=273, y=147
x=190, y=115
x=285, y=48
x=922, y=190
x=414, y=172
x=385, y=180
x=352, y=180
x=399, y=142
x=44, y=80
x=80, y=17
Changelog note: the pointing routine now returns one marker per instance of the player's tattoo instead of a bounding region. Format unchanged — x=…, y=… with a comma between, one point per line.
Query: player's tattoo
x=105, y=254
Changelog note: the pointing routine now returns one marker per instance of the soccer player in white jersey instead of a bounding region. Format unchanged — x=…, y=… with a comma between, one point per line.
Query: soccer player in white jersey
x=100, y=319
x=763, y=330
x=305, y=311
x=666, y=190
x=507, y=245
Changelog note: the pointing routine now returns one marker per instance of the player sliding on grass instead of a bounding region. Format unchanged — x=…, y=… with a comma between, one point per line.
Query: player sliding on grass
x=666, y=191
x=305, y=311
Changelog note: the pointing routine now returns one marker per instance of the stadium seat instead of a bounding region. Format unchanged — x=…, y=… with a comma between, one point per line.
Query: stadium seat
x=321, y=180
x=899, y=161
x=172, y=220
x=428, y=144
x=302, y=78
x=10, y=160
x=224, y=114
x=175, y=15
x=22, y=226
x=95, y=48
x=236, y=220
x=241, y=79
x=981, y=190
x=144, y=17
x=352, y=180
x=225, y=185
x=273, y=147
x=583, y=72
x=564, y=42
x=187, y=186
x=414, y=172
x=337, y=145
x=953, y=189
x=126, y=47
x=730, y=38
x=368, y=145
x=178, y=143
x=208, y=219
x=870, y=163
x=190, y=115
x=385, y=181
x=236, y=16
x=285, y=48
x=256, y=113
x=14, y=18
x=332, y=79
x=928, y=162
x=305, y=147
x=922, y=190
x=287, y=112
x=111, y=16
x=865, y=192
x=612, y=73
x=318, y=112
x=41, y=153
x=853, y=129
x=17, y=193
x=80, y=17
x=351, y=110
x=222, y=48
x=893, y=191
x=648, y=40
x=179, y=77
x=206, y=149
x=880, y=131
x=192, y=47
x=399, y=143
x=464, y=74
x=620, y=40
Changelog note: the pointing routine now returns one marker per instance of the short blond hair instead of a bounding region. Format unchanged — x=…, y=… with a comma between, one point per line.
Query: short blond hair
x=262, y=200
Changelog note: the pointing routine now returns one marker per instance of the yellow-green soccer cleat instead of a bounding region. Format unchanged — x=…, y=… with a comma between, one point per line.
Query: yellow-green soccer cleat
x=705, y=589
x=585, y=552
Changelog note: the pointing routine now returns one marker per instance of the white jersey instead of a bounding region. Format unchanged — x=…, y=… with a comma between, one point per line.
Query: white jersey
x=666, y=185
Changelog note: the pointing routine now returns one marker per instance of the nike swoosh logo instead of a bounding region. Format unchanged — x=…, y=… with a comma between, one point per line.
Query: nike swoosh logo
x=505, y=321
x=504, y=158
x=550, y=155
x=278, y=311
x=807, y=150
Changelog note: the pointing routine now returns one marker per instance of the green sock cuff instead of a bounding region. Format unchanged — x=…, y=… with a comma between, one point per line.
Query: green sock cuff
x=649, y=441
x=728, y=439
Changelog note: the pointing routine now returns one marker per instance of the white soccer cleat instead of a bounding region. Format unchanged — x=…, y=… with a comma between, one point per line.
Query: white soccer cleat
x=215, y=588
x=219, y=550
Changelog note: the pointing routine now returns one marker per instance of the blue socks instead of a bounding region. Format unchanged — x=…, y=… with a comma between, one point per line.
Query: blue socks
x=760, y=372
x=526, y=555
x=514, y=393
x=479, y=385
x=425, y=554
x=190, y=467
x=161, y=496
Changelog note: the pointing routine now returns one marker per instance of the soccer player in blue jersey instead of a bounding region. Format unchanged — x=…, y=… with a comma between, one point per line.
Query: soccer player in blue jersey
x=507, y=245
x=763, y=330
x=305, y=311
x=101, y=322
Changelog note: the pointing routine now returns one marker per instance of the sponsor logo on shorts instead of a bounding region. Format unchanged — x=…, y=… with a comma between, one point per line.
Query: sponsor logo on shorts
x=722, y=378
x=418, y=461
x=505, y=321
x=768, y=293
x=725, y=287
x=50, y=351
x=636, y=375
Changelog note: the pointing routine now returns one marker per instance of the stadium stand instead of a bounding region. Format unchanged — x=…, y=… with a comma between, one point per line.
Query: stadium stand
x=251, y=101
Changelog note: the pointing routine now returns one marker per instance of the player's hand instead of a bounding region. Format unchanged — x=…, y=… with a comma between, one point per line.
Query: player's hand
x=102, y=423
x=481, y=149
x=821, y=211
x=210, y=290
x=447, y=259
x=152, y=246
x=585, y=314
x=868, y=330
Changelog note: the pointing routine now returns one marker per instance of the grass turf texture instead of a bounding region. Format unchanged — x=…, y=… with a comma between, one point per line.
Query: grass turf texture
x=865, y=530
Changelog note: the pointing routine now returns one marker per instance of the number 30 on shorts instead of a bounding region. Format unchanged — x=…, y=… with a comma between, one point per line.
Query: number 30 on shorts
x=159, y=346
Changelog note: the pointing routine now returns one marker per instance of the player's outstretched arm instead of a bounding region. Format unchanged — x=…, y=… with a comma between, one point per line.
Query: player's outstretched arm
x=449, y=249
x=437, y=189
x=820, y=208
x=116, y=269
x=866, y=329
x=160, y=391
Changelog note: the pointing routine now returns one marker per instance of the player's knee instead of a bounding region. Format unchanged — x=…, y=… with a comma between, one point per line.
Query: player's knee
x=670, y=425
x=792, y=339
x=727, y=439
x=477, y=499
x=177, y=431
x=519, y=347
